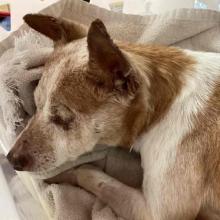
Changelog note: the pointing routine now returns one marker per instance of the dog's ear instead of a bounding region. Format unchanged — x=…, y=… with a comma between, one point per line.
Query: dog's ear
x=105, y=54
x=59, y=30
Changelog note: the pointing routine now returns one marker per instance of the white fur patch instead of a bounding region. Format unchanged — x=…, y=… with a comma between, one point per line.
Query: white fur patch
x=158, y=146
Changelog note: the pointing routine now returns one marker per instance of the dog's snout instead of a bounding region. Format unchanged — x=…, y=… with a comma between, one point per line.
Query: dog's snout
x=20, y=161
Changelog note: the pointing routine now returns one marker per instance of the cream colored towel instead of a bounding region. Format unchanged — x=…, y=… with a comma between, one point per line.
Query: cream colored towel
x=187, y=28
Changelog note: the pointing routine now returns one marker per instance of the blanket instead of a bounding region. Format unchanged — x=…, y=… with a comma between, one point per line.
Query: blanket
x=21, y=65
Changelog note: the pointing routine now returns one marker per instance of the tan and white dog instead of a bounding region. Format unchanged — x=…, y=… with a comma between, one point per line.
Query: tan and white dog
x=164, y=102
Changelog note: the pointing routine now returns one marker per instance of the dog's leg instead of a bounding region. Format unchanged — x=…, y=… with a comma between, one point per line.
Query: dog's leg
x=125, y=201
x=172, y=203
x=167, y=198
x=174, y=189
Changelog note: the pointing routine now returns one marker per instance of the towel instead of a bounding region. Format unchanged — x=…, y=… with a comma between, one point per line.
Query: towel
x=186, y=28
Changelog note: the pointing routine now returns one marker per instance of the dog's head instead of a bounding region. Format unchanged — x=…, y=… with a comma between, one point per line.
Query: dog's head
x=82, y=99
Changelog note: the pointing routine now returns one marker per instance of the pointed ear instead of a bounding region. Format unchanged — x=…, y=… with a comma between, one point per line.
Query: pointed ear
x=105, y=54
x=58, y=30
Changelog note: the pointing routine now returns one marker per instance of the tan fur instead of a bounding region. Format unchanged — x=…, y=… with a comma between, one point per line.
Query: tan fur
x=205, y=142
x=164, y=73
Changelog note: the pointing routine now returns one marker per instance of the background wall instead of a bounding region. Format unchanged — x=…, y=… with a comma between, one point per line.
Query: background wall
x=158, y=6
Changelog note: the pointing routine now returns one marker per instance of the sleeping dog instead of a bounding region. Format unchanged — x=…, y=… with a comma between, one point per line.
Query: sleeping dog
x=163, y=102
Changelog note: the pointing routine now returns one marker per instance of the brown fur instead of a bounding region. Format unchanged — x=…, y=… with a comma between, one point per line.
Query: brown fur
x=165, y=68
x=206, y=138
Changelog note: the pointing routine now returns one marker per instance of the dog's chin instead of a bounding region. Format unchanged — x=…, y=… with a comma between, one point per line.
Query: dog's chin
x=99, y=153
x=51, y=171
x=45, y=172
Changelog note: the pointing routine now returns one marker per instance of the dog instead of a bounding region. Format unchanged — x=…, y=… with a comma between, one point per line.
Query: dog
x=163, y=102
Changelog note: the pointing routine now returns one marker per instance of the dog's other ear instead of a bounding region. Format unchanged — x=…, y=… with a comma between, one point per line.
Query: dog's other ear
x=59, y=30
x=105, y=54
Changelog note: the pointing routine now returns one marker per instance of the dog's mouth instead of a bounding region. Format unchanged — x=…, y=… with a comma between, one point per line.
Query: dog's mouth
x=99, y=153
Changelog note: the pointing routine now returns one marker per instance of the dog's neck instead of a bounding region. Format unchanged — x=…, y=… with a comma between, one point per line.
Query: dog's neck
x=161, y=72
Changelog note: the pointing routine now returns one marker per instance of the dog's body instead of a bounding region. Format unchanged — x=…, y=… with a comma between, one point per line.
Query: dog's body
x=161, y=101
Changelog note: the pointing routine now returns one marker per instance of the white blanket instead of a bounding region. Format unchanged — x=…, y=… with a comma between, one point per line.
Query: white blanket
x=187, y=28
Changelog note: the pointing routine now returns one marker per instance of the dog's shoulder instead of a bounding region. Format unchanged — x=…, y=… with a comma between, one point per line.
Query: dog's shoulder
x=194, y=107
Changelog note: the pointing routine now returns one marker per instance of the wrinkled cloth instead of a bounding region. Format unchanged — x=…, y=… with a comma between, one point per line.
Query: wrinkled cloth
x=20, y=69
x=186, y=28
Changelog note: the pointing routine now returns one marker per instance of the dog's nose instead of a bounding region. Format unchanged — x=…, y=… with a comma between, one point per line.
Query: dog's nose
x=19, y=162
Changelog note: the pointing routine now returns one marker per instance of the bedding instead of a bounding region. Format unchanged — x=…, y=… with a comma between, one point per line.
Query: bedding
x=21, y=65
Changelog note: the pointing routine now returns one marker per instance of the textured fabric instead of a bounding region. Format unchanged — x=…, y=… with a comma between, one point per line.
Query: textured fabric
x=187, y=28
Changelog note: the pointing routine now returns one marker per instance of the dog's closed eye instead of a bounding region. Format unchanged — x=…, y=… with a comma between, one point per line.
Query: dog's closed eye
x=62, y=116
x=64, y=123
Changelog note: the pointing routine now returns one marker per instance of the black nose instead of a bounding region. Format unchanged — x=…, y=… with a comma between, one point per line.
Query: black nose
x=19, y=162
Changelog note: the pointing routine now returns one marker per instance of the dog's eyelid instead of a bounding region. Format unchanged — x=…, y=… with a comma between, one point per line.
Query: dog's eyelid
x=60, y=110
x=62, y=116
x=64, y=123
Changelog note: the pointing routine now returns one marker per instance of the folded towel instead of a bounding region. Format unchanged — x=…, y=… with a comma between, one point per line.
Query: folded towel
x=187, y=28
